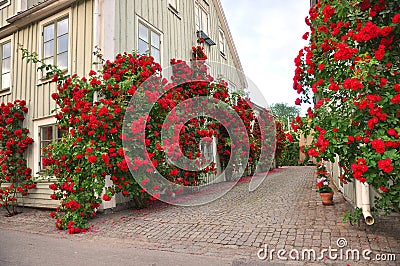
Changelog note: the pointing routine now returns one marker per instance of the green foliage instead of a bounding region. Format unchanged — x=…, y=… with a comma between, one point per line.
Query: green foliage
x=353, y=217
x=15, y=176
x=350, y=69
x=290, y=154
x=284, y=112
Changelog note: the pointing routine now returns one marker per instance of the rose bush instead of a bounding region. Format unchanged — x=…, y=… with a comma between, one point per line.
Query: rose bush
x=280, y=143
x=15, y=176
x=93, y=109
x=351, y=70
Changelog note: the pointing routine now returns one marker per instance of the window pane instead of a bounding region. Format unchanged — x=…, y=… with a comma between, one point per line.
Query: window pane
x=197, y=17
x=5, y=65
x=143, y=32
x=48, y=49
x=155, y=40
x=204, y=21
x=6, y=50
x=62, y=27
x=62, y=60
x=46, y=133
x=156, y=54
x=5, y=81
x=48, y=32
x=43, y=144
x=143, y=47
x=62, y=44
x=61, y=133
x=49, y=60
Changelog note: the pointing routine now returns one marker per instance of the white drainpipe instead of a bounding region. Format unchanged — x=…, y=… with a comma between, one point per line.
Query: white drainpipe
x=96, y=23
x=96, y=34
x=363, y=201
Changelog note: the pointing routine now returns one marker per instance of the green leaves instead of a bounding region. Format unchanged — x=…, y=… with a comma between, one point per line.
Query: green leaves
x=356, y=90
x=353, y=217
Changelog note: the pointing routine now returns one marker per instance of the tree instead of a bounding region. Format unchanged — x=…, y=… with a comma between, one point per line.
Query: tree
x=351, y=69
x=284, y=112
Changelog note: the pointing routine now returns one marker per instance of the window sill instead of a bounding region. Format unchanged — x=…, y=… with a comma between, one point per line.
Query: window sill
x=44, y=81
x=4, y=3
x=41, y=178
x=5, y=92
x=174, y=11
x=223, y=55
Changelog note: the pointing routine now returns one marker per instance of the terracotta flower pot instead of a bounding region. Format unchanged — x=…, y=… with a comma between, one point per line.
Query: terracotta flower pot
x=327, y=198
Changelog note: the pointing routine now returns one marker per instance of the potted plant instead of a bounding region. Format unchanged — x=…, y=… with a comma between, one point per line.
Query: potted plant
x=325, y=191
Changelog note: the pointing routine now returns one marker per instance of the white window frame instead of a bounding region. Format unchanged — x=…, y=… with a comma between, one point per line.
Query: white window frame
x=4, y=3
x=53, y=19
x=232, y=87
x=5, y=91
x=151, y=28
x=210, y=70
x=222, y=42
x=37, y=125
x=200, y=11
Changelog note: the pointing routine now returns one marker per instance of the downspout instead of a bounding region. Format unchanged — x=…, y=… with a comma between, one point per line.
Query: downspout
x=97, y=29
x=363, y=201
x=96, y=35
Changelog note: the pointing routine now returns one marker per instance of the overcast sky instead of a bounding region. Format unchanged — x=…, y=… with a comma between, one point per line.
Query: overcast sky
x=268, y=35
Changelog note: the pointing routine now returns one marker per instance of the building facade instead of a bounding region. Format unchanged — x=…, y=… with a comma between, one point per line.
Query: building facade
x=66, y=32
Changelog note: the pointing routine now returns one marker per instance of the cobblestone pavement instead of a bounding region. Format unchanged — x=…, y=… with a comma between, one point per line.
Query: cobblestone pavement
x=285, y=212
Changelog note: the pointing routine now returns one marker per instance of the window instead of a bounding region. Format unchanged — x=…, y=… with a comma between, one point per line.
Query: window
x=231, y=87
x=201, y=18
x=56, y=42
x=174, y=4
x=5, y=55
x=222, y=42
x=207, y=150
x=149, y=41
x=4, y=3
x=47, y=135
x=209, y=69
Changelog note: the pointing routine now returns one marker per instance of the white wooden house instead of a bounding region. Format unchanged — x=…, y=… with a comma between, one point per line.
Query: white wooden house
x=66, y=32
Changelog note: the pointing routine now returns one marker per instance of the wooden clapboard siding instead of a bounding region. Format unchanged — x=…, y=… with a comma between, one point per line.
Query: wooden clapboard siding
x=27, y=86
x=25, y=80
x=82, y=38
x=38, y=197
x=178, y=30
